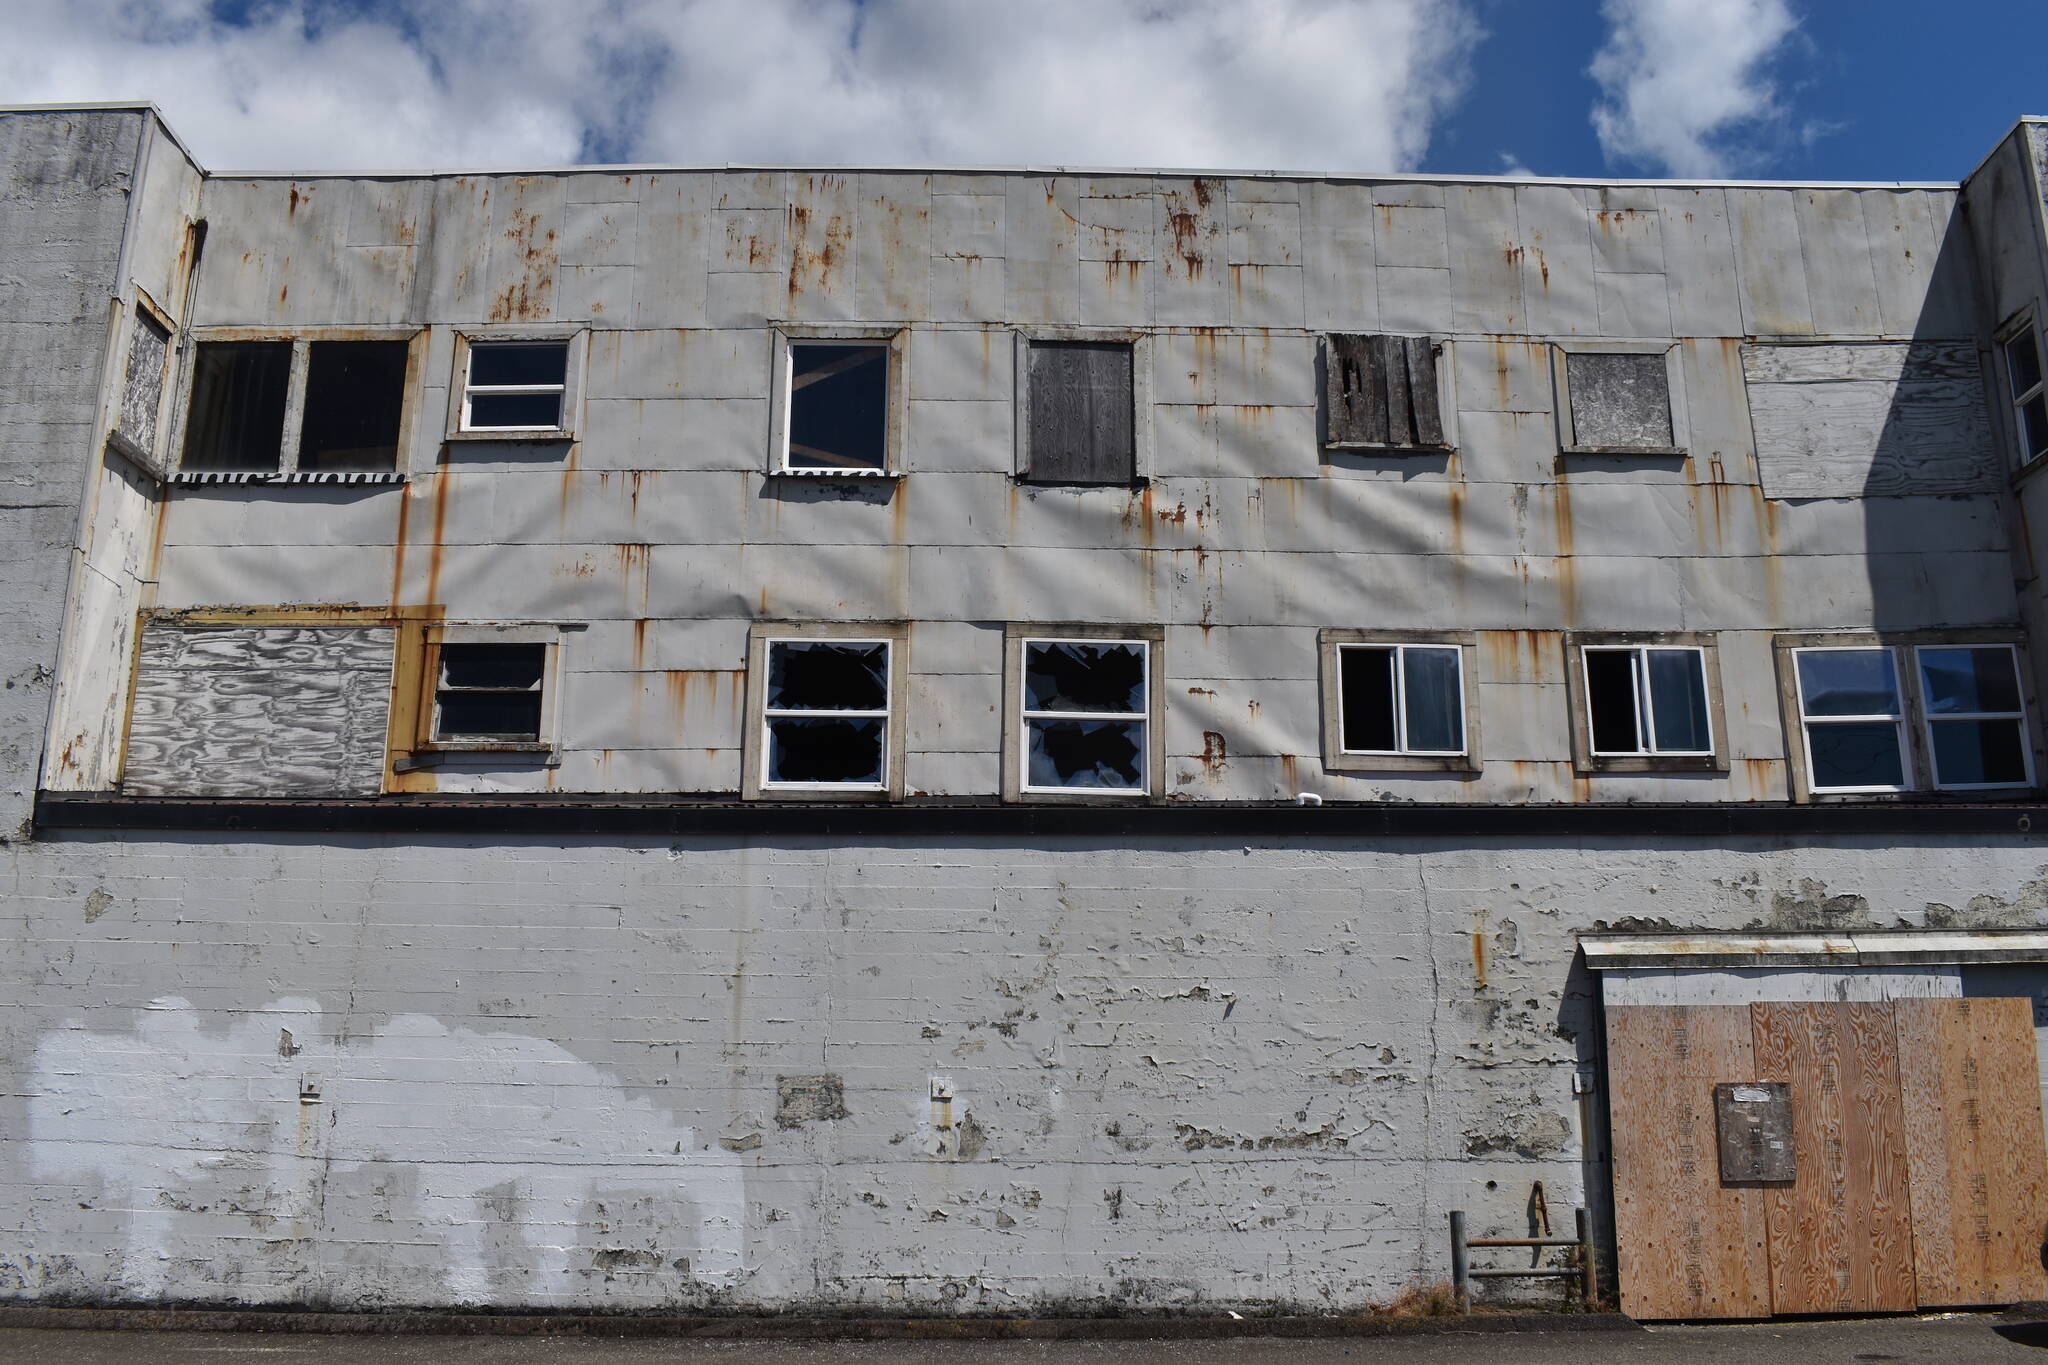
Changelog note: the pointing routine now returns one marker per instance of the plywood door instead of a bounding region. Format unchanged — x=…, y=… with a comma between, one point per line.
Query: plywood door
x=1971, y=1096
x=1841, y=1235
x=1687, y=1246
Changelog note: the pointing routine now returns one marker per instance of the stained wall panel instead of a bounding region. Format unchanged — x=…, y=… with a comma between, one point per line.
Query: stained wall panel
x=259, y=711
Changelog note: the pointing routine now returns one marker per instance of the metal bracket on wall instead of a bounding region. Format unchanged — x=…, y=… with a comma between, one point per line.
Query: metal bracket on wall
x=1462, y=1273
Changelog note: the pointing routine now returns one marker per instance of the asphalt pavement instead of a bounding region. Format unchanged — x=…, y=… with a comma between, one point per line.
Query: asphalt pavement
x=1950, y=1338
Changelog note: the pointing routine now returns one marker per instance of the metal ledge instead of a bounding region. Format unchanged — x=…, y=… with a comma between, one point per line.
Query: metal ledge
x=1860, y=948
x=1221, y=820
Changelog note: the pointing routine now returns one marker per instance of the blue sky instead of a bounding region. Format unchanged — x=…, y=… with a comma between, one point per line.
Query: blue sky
x=1798, y=89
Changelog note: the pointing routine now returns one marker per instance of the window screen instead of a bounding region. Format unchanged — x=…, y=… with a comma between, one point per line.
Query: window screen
x=1082, y=422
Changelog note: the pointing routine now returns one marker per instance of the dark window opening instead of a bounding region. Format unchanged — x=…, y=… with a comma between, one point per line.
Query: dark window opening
x=1081, y=413
x=1648, y=701
x=1619, y=401
x=1085, y=711
x=2023, y=373
x=238, y=401
x=826, y=713
x=838, y=407
x=355, y=393
x=1371, y=715
x=515, y=386
x=1611, y=701
x=490, y=693
x=1975, y=716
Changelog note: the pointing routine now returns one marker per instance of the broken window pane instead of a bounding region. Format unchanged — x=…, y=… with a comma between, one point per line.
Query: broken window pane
x=1619, y=402
x=838, y=406
x=823, y=749
x=1678, y=700
x=238, y=399
x=142, y=394
x=1093, y=753
x=1960, y=680
x=1432, y=699
x=826, y=712
x=515, y=386
x=1370, y=715
x=828, y=675
x=490, y=693
x=1611, y=701
x=1078, y=675
x=355, y=391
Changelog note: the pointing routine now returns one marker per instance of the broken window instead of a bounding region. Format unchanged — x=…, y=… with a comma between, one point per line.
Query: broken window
x=2024, y=378
x=489, y=694
x=142, y=391
x=515, y=386
x=1618, y=401
x=1976, y=722
x=825, y=714
x=1647, y=700
x=1081, y=416
x=1381, y=392
x=1401, y=699
x=837, y=419
x=1085, y=715
x=349, y=396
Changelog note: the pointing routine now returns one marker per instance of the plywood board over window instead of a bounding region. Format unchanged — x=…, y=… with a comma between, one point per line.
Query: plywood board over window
x=1383, y=393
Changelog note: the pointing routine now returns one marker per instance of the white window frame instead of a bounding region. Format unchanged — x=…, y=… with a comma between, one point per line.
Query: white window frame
x=437, y=637
x=1400, y=680
x=301, y=339
x=574, y=341
x=1900, y=722
x=1928, y=720
x=761, y=637
x=2007, y=336
x=1017, y=739
x=1646, y=707
x=894, y=341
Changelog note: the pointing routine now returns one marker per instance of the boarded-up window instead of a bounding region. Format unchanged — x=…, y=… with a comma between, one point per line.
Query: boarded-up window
x=1382, y=392
x=1082, y=413
x=259, y=711
x=142, y=394
x=1619, y=401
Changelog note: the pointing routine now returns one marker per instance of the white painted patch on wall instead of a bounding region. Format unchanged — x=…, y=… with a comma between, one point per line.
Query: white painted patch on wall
x=150, y=1115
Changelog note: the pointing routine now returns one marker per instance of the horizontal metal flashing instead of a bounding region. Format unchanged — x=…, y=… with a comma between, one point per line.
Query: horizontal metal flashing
x=1219, y=820
x=1858, y=948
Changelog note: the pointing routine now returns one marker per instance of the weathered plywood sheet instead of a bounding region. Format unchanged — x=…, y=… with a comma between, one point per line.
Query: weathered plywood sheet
x=259, y=711
x=1883, y=419
x=1687, y=1245
x=1841, y=1238
x=1970, y=1093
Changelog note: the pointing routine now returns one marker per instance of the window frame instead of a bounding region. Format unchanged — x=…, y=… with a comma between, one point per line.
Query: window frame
x=2022, y=325
x=1333, y=641
x=575, y=340
x=436, y=635
x=1445, y=348
x=146, y=311
x=1674, y=386
x=1140, y=343
x=1916, y=741
x=1586, y=759
x=1016, y=636
x=186, y=345
x=762, y=634
x=896, y=421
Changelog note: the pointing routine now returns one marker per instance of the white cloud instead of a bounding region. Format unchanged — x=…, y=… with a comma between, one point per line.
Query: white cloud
x=1353, y=85
x=1685, y=81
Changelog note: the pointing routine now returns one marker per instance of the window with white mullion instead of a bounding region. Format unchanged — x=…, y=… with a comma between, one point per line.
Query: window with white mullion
x=1401, y=699
x=2027, y=382
x=1085, y=713
x=1852, y=714
x=1974, y=717
x=515, y=386
x=1647, y=700
x=825, y=714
